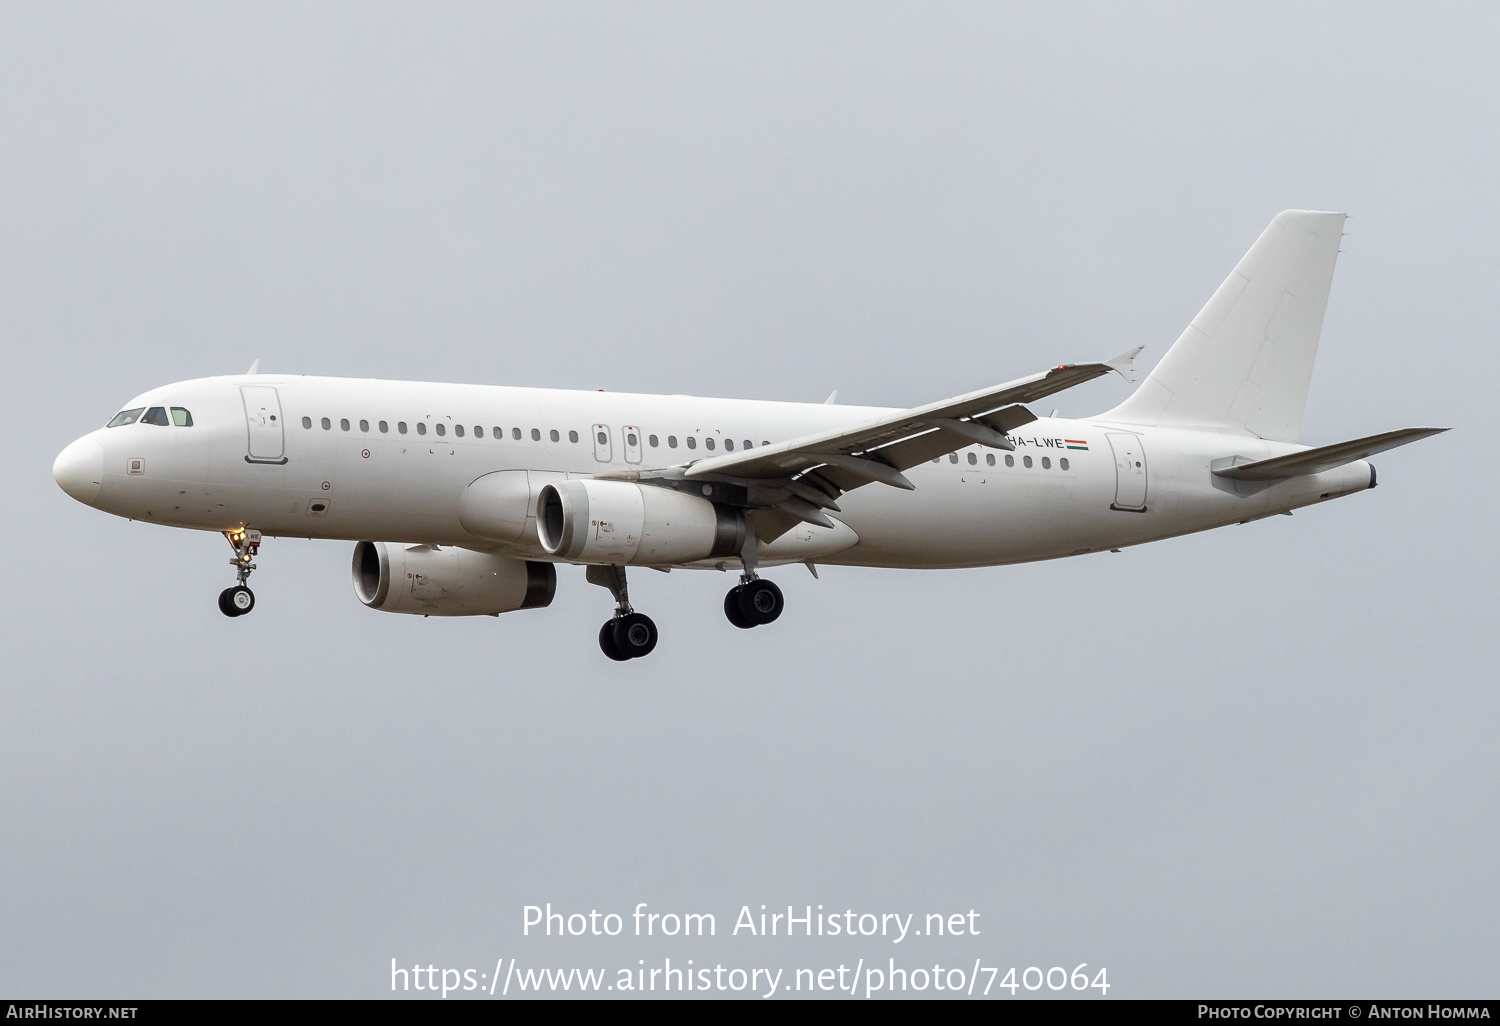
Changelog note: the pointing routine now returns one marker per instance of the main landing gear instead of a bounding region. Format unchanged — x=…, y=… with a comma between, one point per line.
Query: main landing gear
x=753, y=601
x=630, y=635
x=239, y=600
x=627, y=634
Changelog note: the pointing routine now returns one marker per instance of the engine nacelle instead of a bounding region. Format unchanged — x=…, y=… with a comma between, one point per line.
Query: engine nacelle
x=619, y=522
x=448, y=581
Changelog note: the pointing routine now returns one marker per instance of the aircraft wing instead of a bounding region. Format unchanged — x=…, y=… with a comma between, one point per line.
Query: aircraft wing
x=880, y=449
x=1325, y=457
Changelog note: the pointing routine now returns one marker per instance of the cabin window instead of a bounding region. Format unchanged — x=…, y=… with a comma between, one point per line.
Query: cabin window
x=1046, y=463
x=729, y=445
x=749, y=444
x=421, y=428
x=1010, y=461
x=327, y=424
x=156, y=415
x=401, y=426
x=671, y=441
x=708, y=443
x=307, y=423
x=478, y=431
x=973, y=459
x=458, y=429
x=498, y=432
x=130, y=416
x=364, y=425
x=573, y=437
x=554, y=435
x=1063, y=463
x=953, y=457
x=989, y=459
x=182, y=418
x=384, y=427
x=631, y=439
x=344, y=424
x=652, y=441
x=536, y=434
x=601, y=438
x=515, y=433
x=1026, y=462
x=441, y=430
x=692, y=443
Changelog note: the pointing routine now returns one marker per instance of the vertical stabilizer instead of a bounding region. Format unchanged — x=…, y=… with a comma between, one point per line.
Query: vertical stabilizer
x=1244, y=363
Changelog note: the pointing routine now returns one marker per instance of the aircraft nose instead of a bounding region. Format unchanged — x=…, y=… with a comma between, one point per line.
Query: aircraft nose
x=79, y=470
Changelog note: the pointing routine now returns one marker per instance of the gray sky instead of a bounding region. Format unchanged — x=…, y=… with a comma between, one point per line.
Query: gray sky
x=1258, y=761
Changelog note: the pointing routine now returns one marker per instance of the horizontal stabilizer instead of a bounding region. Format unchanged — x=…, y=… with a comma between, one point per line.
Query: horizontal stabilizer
x=1324, y=457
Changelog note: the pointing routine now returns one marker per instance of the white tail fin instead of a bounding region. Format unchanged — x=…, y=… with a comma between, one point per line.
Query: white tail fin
x=1245, y=361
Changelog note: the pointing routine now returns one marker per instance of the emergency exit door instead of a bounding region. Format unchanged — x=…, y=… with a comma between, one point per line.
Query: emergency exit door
x=603, y=451
x=632, y=436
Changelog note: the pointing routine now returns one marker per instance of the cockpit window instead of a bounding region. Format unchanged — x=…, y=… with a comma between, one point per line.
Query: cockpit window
x=126, y=417
x=156, y=415
x=181, y=417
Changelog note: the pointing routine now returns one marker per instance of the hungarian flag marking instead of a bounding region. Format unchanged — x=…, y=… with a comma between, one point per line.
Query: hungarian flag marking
x=1077, y=443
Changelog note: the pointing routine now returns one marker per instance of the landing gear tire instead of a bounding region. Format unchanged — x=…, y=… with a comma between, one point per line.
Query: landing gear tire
x=635, y=635
x=754, y=603
x=761, y=601
x=732, y=608
x=607, y=641
x=236, y=601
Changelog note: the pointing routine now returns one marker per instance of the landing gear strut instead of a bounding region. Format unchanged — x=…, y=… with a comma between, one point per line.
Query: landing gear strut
x=627, y=634
x=239, y=600
x=753, y=601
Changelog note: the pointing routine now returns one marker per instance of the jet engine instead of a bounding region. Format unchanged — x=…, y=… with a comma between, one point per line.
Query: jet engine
x=448, y=581
x=594, y=521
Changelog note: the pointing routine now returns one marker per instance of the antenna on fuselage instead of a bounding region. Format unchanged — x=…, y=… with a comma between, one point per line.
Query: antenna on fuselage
x=254, y=367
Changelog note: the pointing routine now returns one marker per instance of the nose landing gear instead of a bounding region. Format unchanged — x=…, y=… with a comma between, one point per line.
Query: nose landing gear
x=236, y=601
x=239, y=600
x=627, y=634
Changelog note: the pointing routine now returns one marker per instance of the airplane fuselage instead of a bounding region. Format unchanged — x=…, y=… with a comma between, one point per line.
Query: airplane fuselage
x=360, y=459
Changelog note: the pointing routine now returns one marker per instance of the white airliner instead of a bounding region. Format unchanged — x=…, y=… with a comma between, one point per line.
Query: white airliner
x=462, y=498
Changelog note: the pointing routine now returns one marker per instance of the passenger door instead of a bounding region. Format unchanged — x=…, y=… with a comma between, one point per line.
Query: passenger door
x=263, y=421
